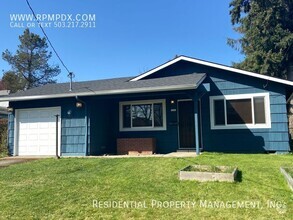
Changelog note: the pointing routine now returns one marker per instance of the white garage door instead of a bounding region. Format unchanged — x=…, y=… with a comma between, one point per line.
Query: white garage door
x=37, y=131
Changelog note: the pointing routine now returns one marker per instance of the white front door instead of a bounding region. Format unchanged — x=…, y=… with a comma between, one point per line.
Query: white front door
x=36, y=131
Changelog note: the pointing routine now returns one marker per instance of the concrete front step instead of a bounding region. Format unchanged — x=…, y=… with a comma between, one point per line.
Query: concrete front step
x=187, y=150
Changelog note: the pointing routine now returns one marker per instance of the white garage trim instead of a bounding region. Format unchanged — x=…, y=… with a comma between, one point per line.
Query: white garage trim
x=17, y=127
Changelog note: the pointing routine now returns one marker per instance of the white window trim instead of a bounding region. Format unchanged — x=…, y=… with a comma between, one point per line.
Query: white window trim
x=141, y=102
x=241, y=96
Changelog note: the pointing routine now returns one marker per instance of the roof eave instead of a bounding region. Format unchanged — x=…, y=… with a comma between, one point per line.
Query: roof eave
x=106, y=92
x=215, y=65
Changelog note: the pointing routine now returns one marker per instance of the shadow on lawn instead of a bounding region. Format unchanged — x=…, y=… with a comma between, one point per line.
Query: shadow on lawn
x=239, y=176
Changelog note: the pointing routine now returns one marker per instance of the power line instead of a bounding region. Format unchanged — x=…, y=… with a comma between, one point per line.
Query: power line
x=47, y=37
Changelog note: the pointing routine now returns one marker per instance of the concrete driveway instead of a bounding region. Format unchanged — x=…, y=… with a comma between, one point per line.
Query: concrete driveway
x=7, y=161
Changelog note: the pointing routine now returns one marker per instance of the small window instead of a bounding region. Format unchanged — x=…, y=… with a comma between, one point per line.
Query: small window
x=143, y=115
x=259, y=110
x=219, y=112
x=240, y=111
x=126, y=116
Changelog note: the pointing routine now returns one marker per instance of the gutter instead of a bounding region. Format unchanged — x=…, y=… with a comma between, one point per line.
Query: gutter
x=106, y=92
x=86, y=124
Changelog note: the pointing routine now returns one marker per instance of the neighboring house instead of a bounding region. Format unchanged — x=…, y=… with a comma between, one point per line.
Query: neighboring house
x=4, y=105
x=184, y=104
x=3, y=112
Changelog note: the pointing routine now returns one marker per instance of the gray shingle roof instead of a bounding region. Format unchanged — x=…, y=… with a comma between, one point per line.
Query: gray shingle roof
x=110, y=86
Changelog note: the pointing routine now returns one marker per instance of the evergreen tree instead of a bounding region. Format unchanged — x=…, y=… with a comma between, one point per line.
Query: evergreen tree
x=2, y=87
x=266, y=28
x=13, y=82
x=30, y=62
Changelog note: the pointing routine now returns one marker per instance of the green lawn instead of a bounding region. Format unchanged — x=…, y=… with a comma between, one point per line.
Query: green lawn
x=66, y=188
x=289, y=170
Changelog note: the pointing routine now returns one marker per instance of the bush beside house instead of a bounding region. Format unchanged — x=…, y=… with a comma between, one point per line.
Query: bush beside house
x=3, y=137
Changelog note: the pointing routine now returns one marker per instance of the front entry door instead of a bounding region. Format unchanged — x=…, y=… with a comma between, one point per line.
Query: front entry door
x=186, y=124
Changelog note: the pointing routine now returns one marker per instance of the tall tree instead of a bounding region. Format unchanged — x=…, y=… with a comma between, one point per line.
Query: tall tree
x=2, y=87
x=13, y=81
x=31, y=61
x=266, y=28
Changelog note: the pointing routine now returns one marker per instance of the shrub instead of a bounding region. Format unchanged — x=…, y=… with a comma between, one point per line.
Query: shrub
x=3, y=137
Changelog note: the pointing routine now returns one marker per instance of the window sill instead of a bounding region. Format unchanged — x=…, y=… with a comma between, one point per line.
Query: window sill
x=142, y=129
x=241, y=127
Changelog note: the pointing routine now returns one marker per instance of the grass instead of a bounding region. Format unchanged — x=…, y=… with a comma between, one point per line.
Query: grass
x=289, y=170
x=2, y=155
x=66, y=188
x=209, y=168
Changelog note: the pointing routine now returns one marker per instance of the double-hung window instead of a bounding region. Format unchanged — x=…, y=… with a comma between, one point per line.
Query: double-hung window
x=240, y=111
x=142, y=115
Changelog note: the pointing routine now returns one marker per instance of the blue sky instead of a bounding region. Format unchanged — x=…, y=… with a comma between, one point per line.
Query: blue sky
x=130, y=36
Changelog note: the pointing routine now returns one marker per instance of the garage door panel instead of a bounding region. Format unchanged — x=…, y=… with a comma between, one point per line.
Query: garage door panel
x=44, y=126
x=31, y=131
x=37, y=131
x=44, y=137
x=23, y=124
x=33, y=126
x=22, y=137
x=33, y=137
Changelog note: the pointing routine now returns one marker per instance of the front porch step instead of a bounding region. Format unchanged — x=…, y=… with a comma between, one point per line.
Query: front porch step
x=187, y=150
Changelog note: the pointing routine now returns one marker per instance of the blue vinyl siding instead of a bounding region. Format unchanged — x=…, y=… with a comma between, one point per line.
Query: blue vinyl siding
x=105, y=123
x=228, y=83
x=273, y=139
x=73, y=131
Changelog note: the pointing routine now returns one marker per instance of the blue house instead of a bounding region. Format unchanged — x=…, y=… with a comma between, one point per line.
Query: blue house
x=183, y=104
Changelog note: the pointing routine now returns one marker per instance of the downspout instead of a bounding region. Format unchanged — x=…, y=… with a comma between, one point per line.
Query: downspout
x=86, y=124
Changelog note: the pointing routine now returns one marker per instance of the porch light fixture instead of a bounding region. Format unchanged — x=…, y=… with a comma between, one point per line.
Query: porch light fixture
x=172, y=101
x=78, y=104
x=10, y=109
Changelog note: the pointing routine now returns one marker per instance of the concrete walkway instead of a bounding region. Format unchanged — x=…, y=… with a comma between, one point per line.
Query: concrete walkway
x=4, y=162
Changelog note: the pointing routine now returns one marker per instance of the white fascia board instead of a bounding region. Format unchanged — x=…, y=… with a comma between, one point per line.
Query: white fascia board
x=215, y=65
x=106, y=92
